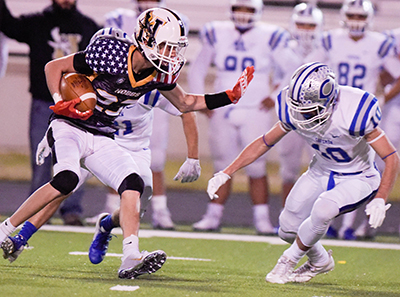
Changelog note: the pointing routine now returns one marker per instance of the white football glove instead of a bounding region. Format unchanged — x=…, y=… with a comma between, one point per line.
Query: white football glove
x=189, y=171
x=376, y=210
x=42, y=151
x=215, y=183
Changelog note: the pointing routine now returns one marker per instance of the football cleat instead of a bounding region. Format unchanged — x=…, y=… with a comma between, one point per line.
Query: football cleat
x=101, y=240
x=146, y=263
x=12, y=247
x=282, y=273
x=161, y=219
x=207, y=223
x=308, y=270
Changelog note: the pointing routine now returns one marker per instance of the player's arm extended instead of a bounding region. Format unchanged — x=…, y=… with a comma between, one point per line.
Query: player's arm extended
x=250, y=153
x=256, y=149
x=387, y=152
x=186, y=102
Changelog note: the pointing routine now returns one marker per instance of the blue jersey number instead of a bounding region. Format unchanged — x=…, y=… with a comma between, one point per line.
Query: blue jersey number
x=231, y=63
x=128, y=128
x=343, y=75
x=333, y=153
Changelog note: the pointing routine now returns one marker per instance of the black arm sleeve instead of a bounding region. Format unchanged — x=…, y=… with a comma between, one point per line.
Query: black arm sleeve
x=80, y=64
x=16, y=28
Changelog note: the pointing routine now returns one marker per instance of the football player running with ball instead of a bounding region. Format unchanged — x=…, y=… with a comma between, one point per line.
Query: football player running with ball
x=341, y=124
x=123, y=72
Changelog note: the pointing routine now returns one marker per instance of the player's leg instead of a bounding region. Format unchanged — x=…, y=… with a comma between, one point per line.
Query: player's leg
x=348, y=194
x=297, y=208
x=66, y=155
x=256, y=171
x=161, y=216
x=114, y=166
x=224, y=148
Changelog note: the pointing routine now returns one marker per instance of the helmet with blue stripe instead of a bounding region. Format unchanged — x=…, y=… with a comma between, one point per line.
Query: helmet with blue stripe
x=313, y=90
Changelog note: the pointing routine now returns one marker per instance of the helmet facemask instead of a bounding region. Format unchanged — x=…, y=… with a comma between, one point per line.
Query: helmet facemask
x=306, y=26
x=160, y=35
x=312, y=94
x=357, y=16
x=245, y=13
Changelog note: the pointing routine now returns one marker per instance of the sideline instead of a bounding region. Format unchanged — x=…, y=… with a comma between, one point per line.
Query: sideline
x=227, y=237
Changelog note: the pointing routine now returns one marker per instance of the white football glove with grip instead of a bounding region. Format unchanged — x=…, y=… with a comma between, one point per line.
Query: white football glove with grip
x=42, y=151
x=215, y=183
x=376, y=210
x=189, y=171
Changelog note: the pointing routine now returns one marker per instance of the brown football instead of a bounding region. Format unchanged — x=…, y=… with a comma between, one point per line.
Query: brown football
x=74, y=85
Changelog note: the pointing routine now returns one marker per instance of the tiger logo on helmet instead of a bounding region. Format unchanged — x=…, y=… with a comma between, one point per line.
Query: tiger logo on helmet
x=161, y=37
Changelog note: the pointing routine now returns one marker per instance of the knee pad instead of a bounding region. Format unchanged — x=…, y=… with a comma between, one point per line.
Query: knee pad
x=132, y=182
x=289, y=237
x=324, y=210
x=65, y=181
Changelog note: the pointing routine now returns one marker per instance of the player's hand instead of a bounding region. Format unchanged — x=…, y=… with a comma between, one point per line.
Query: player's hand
x=241, y=86
x=42, y=151
x=376, y=210
x=215, y=183
x=67, y=108
x=189, y=171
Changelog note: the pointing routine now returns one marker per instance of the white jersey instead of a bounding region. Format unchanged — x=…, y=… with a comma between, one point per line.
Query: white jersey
x=263, y=46
x=135, y=124
x=358, y=63
x=340, y=146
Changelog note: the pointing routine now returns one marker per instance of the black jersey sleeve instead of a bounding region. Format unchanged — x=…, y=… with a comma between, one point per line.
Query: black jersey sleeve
x=80, y=64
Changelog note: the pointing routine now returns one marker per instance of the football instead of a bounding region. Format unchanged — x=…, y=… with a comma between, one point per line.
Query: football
x=74, y=85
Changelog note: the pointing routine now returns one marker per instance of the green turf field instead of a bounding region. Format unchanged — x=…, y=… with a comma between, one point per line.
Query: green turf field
x=198, y=267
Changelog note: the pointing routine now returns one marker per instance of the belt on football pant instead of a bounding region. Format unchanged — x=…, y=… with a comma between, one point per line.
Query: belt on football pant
x=331, y=181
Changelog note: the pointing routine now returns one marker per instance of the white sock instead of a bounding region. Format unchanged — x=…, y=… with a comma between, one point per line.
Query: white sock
x=112, y=202
x=6, y=228
x=318, y=255
x=261, y=211
x=294, y=253
x=130, y=245
x=215, y=210
x=159, y=202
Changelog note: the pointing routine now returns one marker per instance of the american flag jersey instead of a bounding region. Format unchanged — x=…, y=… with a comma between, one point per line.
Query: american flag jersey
x=115, y=82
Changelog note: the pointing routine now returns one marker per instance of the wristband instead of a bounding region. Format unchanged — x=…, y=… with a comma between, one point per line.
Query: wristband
x=217, y=100
x=57, y=97
x=268, y=145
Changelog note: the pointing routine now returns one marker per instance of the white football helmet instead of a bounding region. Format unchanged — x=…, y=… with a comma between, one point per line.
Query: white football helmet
x=313, y=90
x=357, y=8
x=160, y=36
x=142, y=5
x=246, y=20
x=306, y=14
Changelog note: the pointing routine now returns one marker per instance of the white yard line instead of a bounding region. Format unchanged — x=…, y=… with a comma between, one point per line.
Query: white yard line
x=228, y=237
